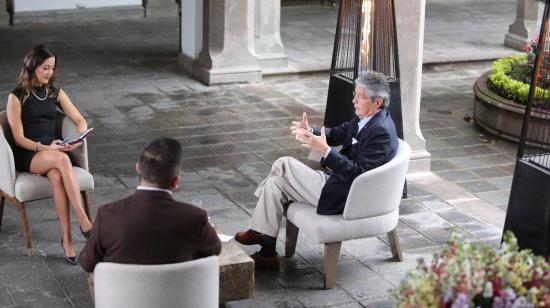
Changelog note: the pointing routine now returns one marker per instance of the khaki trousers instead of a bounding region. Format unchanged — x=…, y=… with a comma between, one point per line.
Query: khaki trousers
x=289, y=180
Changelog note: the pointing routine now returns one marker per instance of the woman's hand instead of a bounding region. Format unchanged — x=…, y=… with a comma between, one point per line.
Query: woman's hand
x=55, y=146
x=70, y=147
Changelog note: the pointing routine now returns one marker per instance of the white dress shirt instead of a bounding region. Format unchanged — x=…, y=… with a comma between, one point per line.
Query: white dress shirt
x=362, y=122
x=154, y=189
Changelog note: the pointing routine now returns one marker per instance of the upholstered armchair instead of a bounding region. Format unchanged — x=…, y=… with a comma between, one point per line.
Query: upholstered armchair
x=372, y=209
x=191, y=284
x=21, y=187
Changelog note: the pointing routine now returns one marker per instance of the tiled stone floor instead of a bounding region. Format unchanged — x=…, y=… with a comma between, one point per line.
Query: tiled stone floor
x=231, y=134
x=122, y=76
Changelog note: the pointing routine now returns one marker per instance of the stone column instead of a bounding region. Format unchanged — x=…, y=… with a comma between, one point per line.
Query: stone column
x=227, y=53
x=269, y=48
x=410, y=35
x=191, y=33
x=527, y=23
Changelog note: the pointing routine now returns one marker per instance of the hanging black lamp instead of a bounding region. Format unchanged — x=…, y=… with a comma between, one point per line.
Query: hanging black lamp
x=366, y=40
x=528, y=212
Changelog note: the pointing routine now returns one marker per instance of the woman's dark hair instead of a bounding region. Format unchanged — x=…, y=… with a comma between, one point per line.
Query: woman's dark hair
x=34, y=58
x=160, y=161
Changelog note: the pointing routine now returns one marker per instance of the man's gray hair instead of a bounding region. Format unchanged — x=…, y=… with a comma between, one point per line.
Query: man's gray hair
x=375, y=85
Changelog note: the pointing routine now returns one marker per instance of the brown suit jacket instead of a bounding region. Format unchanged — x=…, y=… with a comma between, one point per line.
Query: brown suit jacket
x=149, y=227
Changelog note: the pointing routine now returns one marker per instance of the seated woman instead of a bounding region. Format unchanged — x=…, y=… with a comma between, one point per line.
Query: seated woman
x=31, y=111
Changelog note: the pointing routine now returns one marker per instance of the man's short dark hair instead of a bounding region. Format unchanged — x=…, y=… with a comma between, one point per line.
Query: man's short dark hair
x=160, y=161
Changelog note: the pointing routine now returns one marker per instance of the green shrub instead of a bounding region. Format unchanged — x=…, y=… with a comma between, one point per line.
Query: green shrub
x=506, y=80
x=521, y=71
x=503, y=84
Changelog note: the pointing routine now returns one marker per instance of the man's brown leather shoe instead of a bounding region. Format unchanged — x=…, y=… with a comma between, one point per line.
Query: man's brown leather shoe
x=265, y=263
x=249, y=237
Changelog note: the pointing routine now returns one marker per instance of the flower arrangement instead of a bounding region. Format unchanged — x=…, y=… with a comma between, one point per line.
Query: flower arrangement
x=470, y=275
x=531, y=49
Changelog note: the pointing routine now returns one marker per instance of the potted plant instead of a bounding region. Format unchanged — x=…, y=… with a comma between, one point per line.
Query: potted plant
x=472, y=275
x=501, y=93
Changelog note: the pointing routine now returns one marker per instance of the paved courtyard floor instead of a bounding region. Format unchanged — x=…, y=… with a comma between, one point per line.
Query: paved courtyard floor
x=122, y=76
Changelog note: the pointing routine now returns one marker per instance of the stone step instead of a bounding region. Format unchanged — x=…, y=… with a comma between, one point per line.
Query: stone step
x=79, y=15
x=161, y=8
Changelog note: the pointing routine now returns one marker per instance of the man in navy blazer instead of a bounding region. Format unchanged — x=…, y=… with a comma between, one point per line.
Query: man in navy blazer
x=368, y=141
x=374, y=145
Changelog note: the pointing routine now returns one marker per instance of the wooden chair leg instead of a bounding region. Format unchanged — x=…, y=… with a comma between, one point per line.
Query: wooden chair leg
x=24, y=222
x=2, y=200
x=86, y=202
x=332, y=252
x=291, y=238
x=395, y=246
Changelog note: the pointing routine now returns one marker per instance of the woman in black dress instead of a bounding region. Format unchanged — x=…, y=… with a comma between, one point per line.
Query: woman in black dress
x=31, y=114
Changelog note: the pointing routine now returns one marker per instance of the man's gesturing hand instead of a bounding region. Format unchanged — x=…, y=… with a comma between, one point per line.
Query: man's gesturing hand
x=299, y=125
x=312, y=142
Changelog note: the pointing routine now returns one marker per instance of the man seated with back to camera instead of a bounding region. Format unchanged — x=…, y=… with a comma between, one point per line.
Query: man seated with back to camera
x=368, y=141
x=150, y=227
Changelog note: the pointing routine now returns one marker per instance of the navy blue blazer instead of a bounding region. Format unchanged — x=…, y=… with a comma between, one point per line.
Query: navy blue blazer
x=376, y=145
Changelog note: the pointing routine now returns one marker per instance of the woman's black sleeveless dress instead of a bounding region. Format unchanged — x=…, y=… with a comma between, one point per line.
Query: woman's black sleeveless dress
x=38, y=118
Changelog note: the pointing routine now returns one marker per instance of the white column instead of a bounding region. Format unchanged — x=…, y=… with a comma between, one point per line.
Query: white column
x=410, y=17
x=527, y=23
x=269, y=48
x=191, y=33
x=227, y=53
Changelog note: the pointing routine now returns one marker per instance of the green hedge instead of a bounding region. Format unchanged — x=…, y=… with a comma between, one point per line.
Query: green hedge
x=505, y=86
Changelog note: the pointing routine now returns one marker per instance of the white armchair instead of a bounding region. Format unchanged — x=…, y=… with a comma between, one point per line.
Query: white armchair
x=191, y=284
x=372, y=209
x=21, y=187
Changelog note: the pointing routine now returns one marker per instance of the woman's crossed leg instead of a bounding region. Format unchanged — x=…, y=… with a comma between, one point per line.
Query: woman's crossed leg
x=58, y=168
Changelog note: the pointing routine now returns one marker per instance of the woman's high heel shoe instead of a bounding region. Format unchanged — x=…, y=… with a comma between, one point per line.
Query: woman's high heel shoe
x=86, y=234
x=71, y=260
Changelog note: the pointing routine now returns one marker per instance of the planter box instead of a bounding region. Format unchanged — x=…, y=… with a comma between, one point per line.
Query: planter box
x=503, y=117
x=497, y=115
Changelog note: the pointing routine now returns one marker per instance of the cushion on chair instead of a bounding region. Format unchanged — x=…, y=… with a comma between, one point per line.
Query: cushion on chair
x=334, y=228
x=30, y=186
x=193, y=284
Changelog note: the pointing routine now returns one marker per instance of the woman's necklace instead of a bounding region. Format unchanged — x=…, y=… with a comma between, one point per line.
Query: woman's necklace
x=39, y=98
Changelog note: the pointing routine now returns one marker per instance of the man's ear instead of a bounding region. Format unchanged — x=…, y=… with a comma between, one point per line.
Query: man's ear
x=174, y=183
x=137, y=168
x=379, y=102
